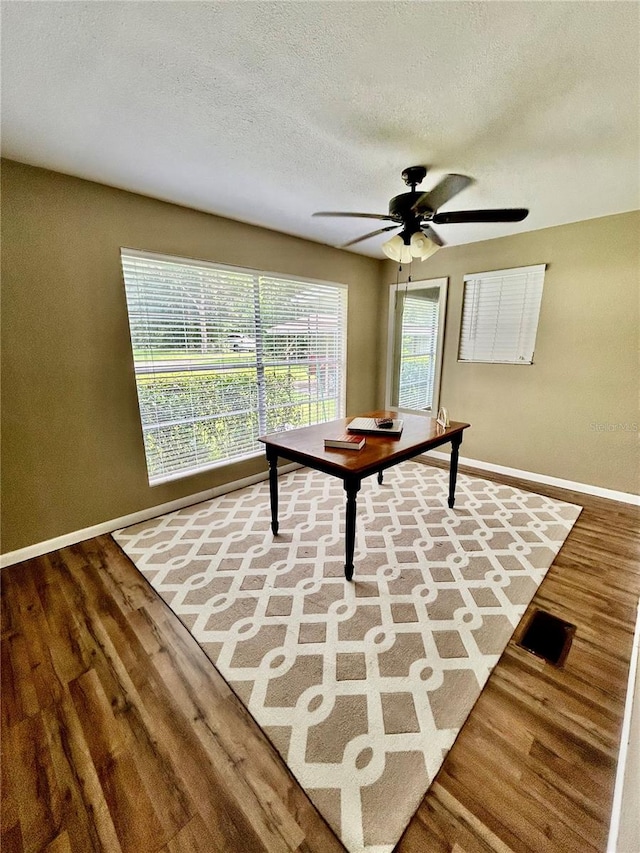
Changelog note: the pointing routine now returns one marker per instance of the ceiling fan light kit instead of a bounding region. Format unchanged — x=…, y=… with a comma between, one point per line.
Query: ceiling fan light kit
x=413, y=211
x=404, y=249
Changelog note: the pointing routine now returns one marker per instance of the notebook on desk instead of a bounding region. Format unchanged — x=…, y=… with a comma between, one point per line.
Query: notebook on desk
x=368, y=425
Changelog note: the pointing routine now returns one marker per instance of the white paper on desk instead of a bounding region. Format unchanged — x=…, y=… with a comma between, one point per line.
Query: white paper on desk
x=369, y=425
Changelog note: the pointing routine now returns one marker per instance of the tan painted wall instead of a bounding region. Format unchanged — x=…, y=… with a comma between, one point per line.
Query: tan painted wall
x=541, y=418
x=72, y=452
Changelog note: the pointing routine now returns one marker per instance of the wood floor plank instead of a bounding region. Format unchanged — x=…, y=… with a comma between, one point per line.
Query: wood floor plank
x=20, y=699
x=443, y=826
x=502, y=809
x=60, y=844
x=134, y=817
x=70, y=803
x=118, y=667
x=35, y=631
x=73, y=654
x=120, y=736
x=193, y=838
x=78, y=777
x=565, y=754
x=34, y=785
x=11, y=839
x=9, y=816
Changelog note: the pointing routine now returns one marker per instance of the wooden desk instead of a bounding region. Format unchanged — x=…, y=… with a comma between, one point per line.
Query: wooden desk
x=306, y=445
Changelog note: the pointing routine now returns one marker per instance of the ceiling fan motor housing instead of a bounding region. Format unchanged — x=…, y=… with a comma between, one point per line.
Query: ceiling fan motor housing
x=401, y=208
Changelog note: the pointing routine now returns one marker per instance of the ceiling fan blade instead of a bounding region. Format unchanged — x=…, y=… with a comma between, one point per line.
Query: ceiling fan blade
x=514, y=214
x=366, y=236
x=433, y=235
x=363, y=215
x=449, y=186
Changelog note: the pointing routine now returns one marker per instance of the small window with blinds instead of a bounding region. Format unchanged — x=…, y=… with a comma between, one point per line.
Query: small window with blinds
x=500, y=315
x=223, y=355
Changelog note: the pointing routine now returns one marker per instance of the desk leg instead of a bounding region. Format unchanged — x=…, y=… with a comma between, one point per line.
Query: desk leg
x=272, y=458
x=380, y=477
x=456, y=441
x=351, y=487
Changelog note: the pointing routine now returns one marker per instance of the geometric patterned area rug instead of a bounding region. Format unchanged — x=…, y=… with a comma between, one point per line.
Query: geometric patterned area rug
x=362, y=687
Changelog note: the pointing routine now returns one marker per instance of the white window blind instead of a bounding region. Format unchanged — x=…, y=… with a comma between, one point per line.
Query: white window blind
x=500, y=315
x=420, y=311
x=223, y=355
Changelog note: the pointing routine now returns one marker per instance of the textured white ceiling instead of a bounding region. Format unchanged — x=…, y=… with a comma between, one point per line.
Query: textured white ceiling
x=267, y=111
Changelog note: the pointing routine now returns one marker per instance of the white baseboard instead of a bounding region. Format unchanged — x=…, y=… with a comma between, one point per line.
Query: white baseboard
x=40, y=548
x=624, y=827
x=585, y=488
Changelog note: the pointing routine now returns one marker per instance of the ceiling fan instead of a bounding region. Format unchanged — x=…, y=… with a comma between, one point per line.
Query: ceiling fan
x=413, y=212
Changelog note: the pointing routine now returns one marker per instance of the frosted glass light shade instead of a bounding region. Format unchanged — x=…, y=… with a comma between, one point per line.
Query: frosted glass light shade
x=393, y=247
x=397, y=250
x=421, y=246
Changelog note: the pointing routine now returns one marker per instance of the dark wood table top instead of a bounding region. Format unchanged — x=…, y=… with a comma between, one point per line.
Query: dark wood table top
x=306, y=444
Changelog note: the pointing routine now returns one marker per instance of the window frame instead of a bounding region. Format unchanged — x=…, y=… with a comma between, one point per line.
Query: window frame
x=231, y=268
x=442, y=283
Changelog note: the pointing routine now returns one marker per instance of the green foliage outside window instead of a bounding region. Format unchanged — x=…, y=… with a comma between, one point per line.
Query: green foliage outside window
x=216, y=408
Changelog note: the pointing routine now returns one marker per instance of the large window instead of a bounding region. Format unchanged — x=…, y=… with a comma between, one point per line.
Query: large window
x=223, y=355
x=500, y=315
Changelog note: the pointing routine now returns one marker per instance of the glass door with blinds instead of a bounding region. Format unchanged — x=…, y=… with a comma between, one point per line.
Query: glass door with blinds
x=416, y=335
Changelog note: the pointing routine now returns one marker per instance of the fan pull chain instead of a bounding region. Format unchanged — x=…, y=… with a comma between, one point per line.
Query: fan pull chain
x=397, y=285
x=400, y=270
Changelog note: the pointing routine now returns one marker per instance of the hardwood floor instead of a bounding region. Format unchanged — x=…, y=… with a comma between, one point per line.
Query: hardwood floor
x=119, y=735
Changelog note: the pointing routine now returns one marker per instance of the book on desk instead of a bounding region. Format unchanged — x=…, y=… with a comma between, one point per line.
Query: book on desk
x=345, y=442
